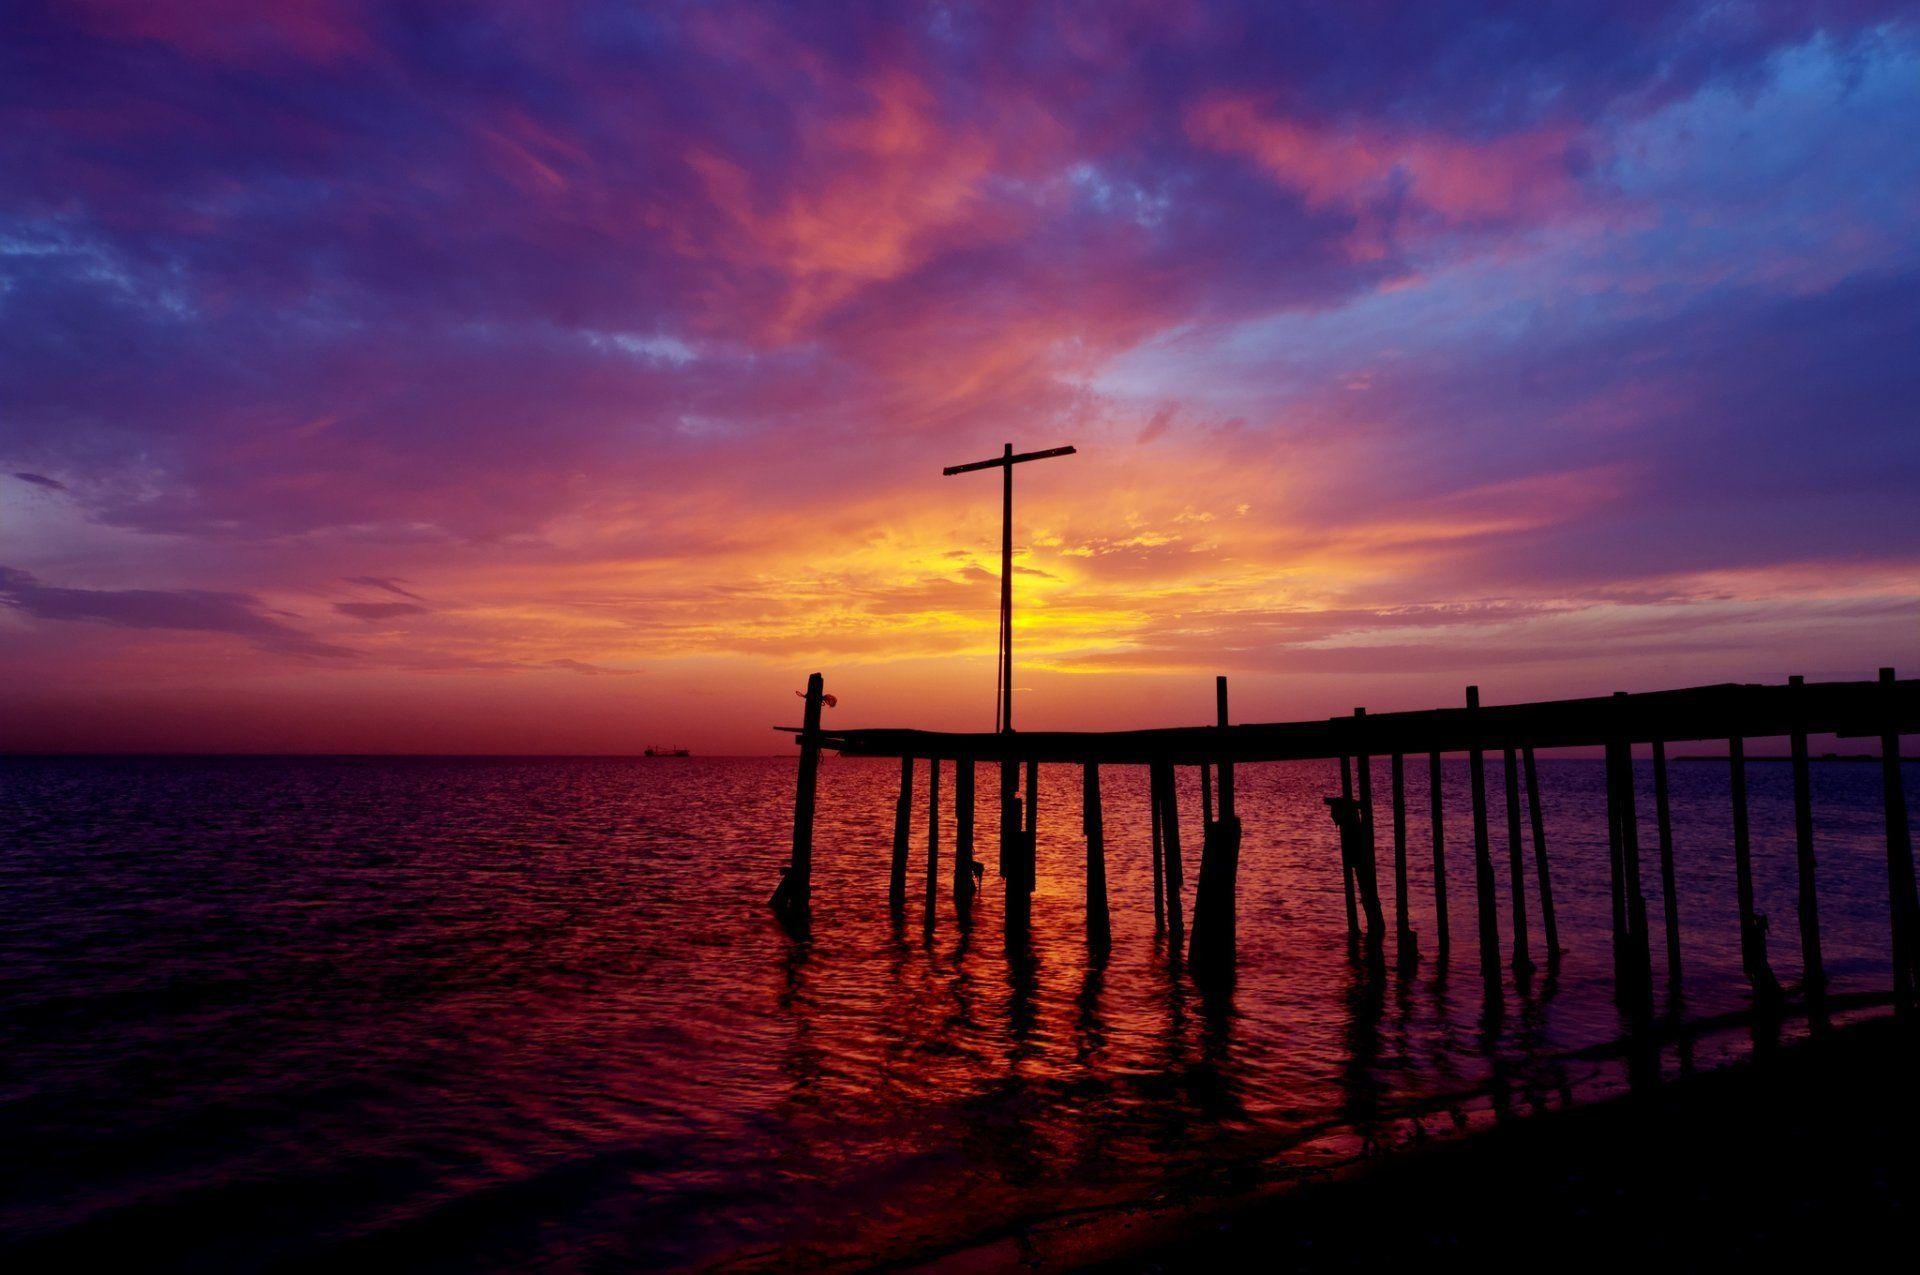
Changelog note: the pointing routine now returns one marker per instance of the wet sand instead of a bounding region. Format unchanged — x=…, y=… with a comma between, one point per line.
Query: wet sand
x=1808, y=1153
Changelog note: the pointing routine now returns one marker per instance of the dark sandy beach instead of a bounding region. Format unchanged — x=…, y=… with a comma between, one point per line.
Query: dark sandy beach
x=1804, y=1156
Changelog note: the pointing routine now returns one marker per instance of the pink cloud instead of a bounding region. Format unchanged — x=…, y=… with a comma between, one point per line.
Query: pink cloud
x=1357, y=167
x=237, y=31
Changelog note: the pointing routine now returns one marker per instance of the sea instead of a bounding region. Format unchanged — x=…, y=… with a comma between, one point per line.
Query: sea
x=535, y=1013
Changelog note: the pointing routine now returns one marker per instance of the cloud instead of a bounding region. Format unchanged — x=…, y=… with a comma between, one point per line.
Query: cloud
x=579, y=666
x=379, y=610
x=187, y=610
x=1385, y=175
x=388, y=583
x=652, y=335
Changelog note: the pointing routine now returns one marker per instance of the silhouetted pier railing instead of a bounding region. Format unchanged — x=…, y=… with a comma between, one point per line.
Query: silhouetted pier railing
x=1731, y=713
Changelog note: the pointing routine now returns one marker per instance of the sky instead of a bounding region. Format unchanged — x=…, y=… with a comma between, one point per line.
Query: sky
x=569, y=377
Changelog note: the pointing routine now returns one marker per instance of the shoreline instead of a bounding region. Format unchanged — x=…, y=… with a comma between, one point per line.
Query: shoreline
x=1807, y=1147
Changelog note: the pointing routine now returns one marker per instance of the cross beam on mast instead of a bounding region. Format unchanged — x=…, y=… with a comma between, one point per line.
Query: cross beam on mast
x=1003, y=685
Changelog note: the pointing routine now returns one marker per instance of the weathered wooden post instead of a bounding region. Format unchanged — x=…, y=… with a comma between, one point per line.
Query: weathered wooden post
x=1813, y=967
x=1159, y=868
x=793, y=897
x=1366, y=857
x=1753, y=927
x=1905, y=907
x=1346, y=856
x=902, y=828
x=1483, y=854
x=1669, y=897
x=933, y=836
x=1640, y=954
x=1030, y=841
x=1540, y=869
x=1093, y=825
x=1170, y=848
x=1443, y=936
x=1616, y=876
x=1215, y=903
x=1516, y=863
x=963, y=886
x=1018, y=895
x=1406, y=948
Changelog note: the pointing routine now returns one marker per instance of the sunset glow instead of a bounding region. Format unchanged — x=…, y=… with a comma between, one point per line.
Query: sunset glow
x=567, y=378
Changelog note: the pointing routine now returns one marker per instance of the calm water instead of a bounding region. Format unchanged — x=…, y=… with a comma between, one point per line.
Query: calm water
x=501, y=1013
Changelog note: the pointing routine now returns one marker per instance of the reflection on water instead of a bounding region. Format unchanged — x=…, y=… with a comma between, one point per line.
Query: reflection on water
x=489, y=1013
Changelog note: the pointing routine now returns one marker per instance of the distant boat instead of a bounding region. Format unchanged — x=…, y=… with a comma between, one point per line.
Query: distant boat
x=657, y=751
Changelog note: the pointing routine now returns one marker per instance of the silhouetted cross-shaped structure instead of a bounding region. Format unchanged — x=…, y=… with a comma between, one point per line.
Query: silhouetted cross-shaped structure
x=1003, y=689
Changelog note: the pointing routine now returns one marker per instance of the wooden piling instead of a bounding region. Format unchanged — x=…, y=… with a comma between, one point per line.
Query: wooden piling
x=902, y=827
x=1215, y=902
x=1616, y=878
x=1442, y=935
x=963, y=885
x=1516, y=863
x=1159, y=870
x=1753, y=934
x=1406, y=949
x=793, y=898
x=1093, y=825
x=1483, y=858
x=1904, y=906
x=1813, y=966
x=1669, y=896
x=1366, y=865
x=1170, y=848
x=1639, y=955
x=1346, y=857
x=1227, y=810
x=1542, y=874
x=1017, y=894
x=933, y=836
x=1030, y=835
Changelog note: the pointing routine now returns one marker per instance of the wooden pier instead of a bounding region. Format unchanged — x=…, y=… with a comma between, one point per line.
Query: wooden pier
x=1732, y=714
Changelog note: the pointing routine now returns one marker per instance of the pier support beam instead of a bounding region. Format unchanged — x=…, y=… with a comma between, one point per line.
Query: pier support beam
x=793, y=897
x=963, y=881
x=1516, y=863
x=1159, y=856
x=1616, y=878
x=1813, y=977
x=1639, y=955
x=1489, y=923
x=1030, y=837
x=1406, y=948
x=1442, y=935
x=1093, y=824
x=1669, y=898
x=1162, y=773
x=1216, y=902
x=1542, y=873
x=1905, y=906
x=1366, y=860
x=902, y=828
x=933, y=837
x=1753, y=926
x=1013, y=875
x=1346, y=858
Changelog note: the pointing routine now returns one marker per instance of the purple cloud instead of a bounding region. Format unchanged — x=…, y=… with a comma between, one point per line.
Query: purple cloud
x=389, y=583
x=379, y=610
x=187, y=610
